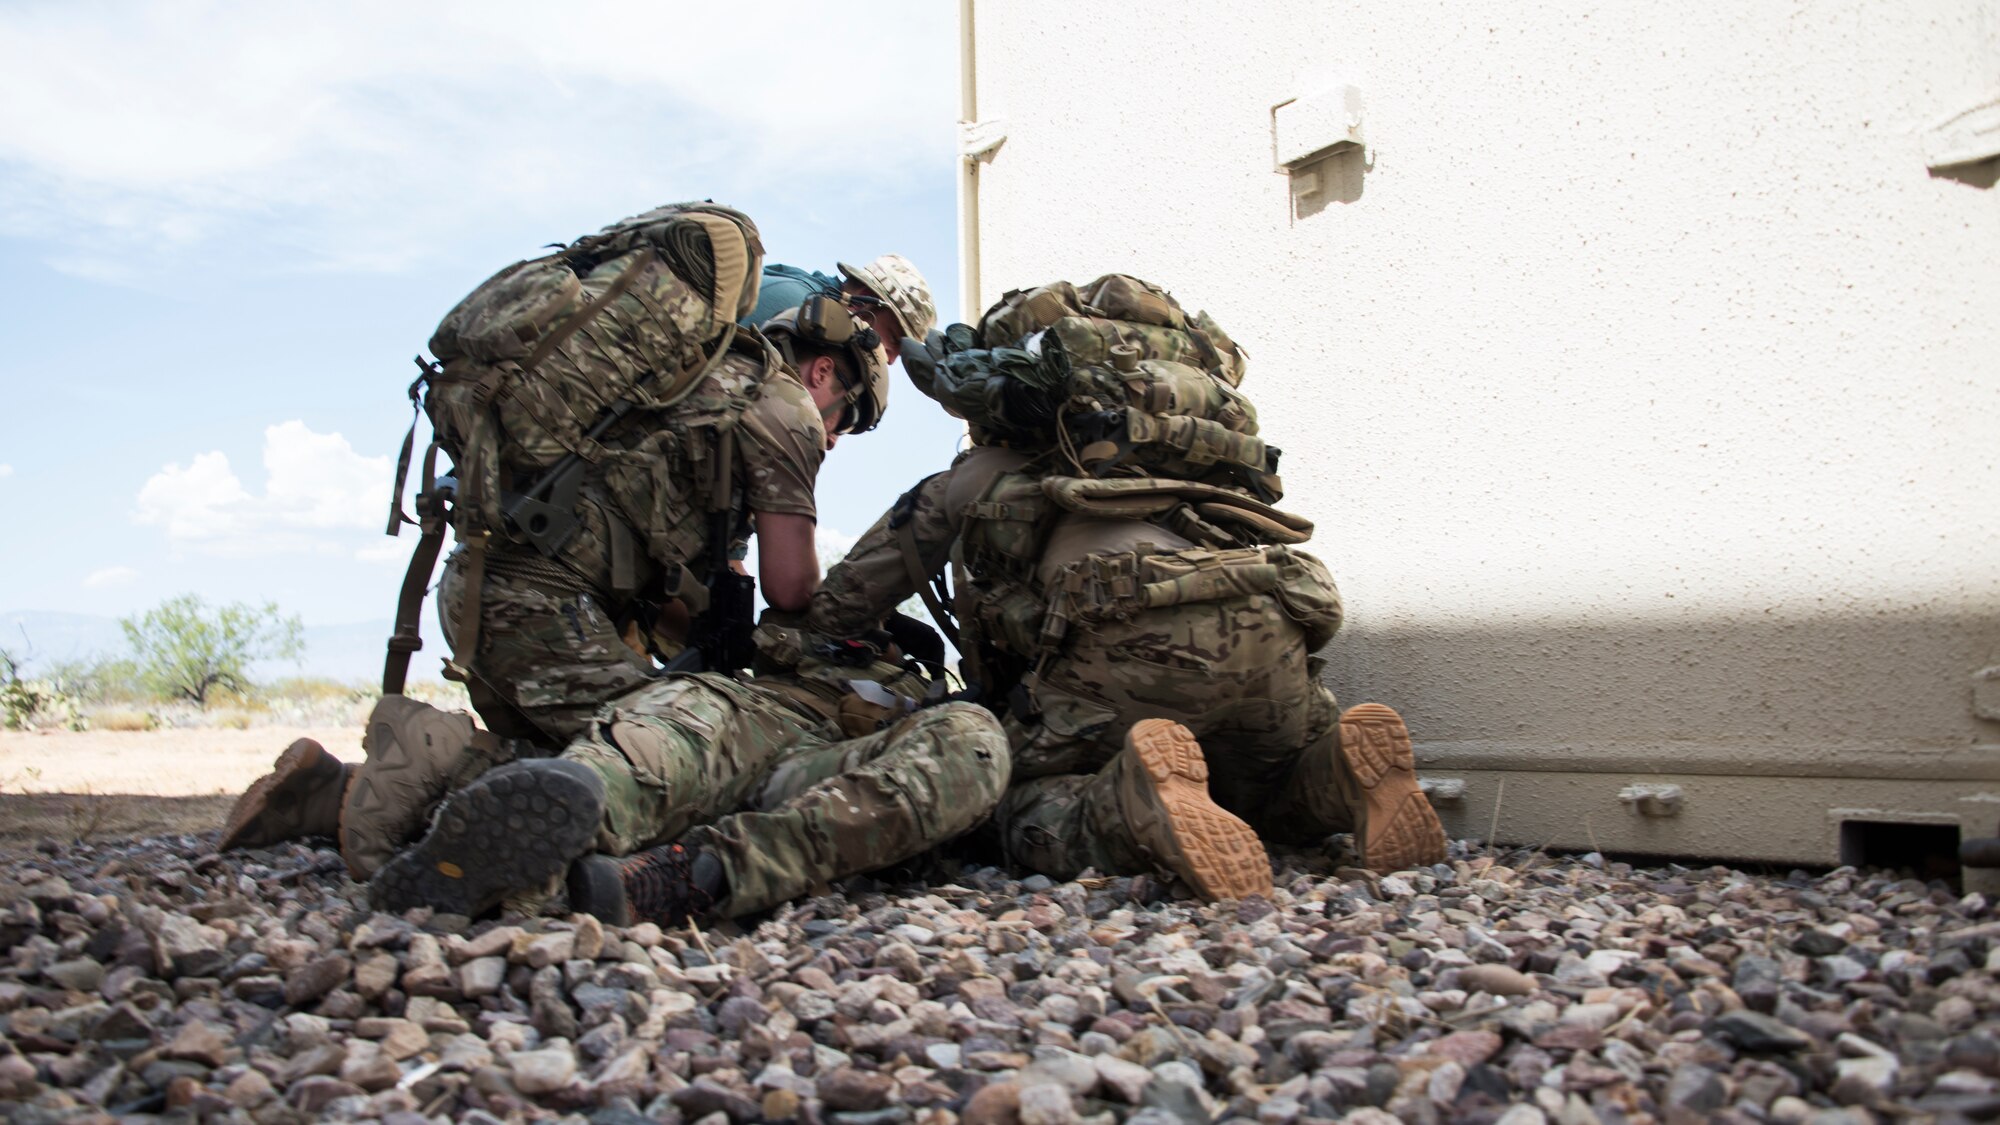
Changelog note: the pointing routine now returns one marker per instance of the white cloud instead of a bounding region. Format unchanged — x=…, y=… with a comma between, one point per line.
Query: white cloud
x=832, y=544
x=109, y=576
x=397, y=550
x=367, y=132
x=203, y=501
x=316, y=488
x=6, y=471
x=317, y=480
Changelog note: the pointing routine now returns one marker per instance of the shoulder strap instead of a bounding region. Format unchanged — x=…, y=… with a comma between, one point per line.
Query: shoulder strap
x=417, y=579
x=396, y=517
x=931, y=587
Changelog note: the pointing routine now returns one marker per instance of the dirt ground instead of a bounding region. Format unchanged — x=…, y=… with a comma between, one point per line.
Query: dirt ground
x=68, y=785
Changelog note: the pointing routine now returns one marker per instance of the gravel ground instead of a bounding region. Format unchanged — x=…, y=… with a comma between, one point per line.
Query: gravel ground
x=153, y=978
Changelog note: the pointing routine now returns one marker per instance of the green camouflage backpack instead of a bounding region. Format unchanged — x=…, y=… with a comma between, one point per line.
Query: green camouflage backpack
x=1115, y=376
x=1115, y=309
x=581, y=396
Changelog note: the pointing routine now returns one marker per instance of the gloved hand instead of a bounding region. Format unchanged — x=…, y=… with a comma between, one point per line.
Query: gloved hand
x=916, y=638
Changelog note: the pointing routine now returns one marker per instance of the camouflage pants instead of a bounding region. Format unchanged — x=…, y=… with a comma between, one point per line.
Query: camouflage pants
x=1235, y=672
x=547, y=659
x=780, y=798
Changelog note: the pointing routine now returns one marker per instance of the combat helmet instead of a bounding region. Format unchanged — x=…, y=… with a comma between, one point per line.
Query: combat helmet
x=895, y=280
x=827, y=323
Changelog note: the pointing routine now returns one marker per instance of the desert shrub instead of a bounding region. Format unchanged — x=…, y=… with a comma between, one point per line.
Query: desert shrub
x=124, y=720
x=26, y=704
x=101, y=680
x=189, y=651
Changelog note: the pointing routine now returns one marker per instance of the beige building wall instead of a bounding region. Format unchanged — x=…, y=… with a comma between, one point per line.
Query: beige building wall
x=1642, y=379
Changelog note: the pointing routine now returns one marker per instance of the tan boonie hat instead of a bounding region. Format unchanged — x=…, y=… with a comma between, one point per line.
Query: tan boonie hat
x=895, y=279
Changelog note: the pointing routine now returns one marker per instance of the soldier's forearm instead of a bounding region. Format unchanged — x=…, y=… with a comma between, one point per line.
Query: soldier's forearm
x=861, y=589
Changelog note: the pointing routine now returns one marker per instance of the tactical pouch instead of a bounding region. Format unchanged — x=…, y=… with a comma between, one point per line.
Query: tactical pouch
x=1118, y=587
x=1014, y=620
x=1006, y=527
x=1307, y=592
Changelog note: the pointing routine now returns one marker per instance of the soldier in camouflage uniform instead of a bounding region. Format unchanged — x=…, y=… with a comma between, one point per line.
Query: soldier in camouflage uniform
x=1170, y=734
x=554, y=638
x=1131, y=600
x=707, y=796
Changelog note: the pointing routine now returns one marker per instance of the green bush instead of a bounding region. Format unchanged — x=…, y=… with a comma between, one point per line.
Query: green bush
x=187, y=651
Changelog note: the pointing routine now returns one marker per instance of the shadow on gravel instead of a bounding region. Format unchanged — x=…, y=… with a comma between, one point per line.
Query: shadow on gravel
x=27, y=819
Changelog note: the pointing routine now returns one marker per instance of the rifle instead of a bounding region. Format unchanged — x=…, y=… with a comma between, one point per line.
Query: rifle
x=720, y=640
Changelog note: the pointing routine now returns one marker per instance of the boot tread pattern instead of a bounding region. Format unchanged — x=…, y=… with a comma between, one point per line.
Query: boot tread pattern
x=372, y=821
x=493, y=834
x=1397, y=829
x=1220, y=855
x=1411, y=836
x=1376, y=742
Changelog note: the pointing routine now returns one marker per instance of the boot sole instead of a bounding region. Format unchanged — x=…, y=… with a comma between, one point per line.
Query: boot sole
x=1397, y=827
x=1220, y=855
x=385, y=763
x=514, y=829
x=300, y=757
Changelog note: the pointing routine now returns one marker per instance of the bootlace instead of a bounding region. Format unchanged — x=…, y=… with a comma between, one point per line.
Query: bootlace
x=660, y=886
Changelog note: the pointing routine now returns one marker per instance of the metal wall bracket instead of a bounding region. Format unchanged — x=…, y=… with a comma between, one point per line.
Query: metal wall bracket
x=1316, y=125
x=1966, y=137
x=979, y=140
x=1442, y=788
x=1653, y=799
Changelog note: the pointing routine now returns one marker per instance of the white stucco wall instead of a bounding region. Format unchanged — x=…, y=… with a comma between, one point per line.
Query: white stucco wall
x=1647, y=390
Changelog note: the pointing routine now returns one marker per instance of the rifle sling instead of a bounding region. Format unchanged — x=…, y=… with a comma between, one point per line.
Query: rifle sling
x=906, y=540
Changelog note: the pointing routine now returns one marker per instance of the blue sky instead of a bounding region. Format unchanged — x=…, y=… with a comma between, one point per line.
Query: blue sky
x=226, y=228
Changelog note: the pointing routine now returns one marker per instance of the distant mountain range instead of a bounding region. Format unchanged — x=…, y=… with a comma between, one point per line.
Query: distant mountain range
x=335, y=652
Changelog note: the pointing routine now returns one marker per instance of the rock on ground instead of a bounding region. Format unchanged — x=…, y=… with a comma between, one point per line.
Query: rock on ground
x=153, y=978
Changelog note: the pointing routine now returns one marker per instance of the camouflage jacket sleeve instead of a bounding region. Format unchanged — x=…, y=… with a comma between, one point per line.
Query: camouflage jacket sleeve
x=861, y=589
x=782, y=445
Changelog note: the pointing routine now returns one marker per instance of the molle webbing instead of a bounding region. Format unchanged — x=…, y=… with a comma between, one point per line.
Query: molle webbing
x=1121, y=586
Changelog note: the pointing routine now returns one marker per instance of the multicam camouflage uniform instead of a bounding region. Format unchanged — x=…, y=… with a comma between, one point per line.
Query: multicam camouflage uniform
x=777, y=790
x=551, y=639
x=775, y=780
x=552, y=646
x=1230, y=660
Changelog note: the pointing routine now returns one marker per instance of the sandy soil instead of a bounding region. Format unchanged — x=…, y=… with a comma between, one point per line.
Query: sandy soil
x=166, y=763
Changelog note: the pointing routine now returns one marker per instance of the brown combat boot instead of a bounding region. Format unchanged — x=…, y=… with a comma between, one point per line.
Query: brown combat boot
x=300, y=797
x=1163, y=792
x=1394, y=825
x=666, y=885
x=416, y=754
x=511, y=833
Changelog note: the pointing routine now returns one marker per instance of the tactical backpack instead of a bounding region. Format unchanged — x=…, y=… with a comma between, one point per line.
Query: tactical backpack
x=1115, y=375
x=582, y=395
